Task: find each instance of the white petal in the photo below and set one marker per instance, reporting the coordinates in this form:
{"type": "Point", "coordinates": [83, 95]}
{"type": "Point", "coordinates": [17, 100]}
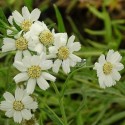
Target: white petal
{"type": "Point", "coordinates": [35, 60]}
{"type": "Point", "coordinates": [70, 40]}
{"type": "Point", "coordinates": [10, 113]}
{"type": "Point", "coordinates": [25, 12]}
{"type": "Point", "coordinates": [53, 49]}
{"type": "Point", "coordinates": [66, 66]}
{"type": "Point", "coordinates": [17, 17]}
{"type": "Point", "coordinates": [47, 64]}
{"type": "Point", "coordinates": [39, 48]}
{"type": "Point", "coordinates": [31, 86]}
{"type": "Point", "coordinates": [119, 66]}
{"type": "Point", "coordinates": [17, 116]}
{"type": "Point", "coordinates": [116, 57]}
{"type": "Point", "coordinates": [48, 76]}
{"type": "Point", "coordinates": [75, 47]}
{"type": "Point", "coordinates": [116, 75]}
{"type": "Point", "coordinates": [35, 14]}
{"type": "Point", "coordinates": [18, 56]}
{"type": "Point", "coordinates": [6, 105]}
{"type": "Point", "coordinates": [42, 83]}
{"type": "Point", "coordinates": [51, 56]}
{"type": "Point", "coordinates": [57, 65]}
{"type": "Point", "coordinates": [101, 82]}
{"type": "Point", "coordinates": [7, 48]}
{"type": "Point", "coordinates": [27, 100]}
{"type": "Point", "coordinates": [26, 53]}
{"type": "Point", "coordinates": [9, 45]}
{"type": "Point", "coordinates": [8, 40]}
{"type": "Point", "coordinates": [27, 61]}
{"type": "Point", "coordinates": [108, 81]}
{"type": "Point", "coordinates": [21, 77]}
{"type": "Point", "coordinates": [101, 59]}
{"type": "Point", "coordinates": [26, 114]}
{"type": "Point", "coordinates": [10, 19]}
{"type": "Point", "coordinates": [75, 58]}
{"type": "Point", "coordinates": [33, 105]}
{"type": "Point", "coordinates": [20, 66]}
{"type": "Point", "coordinates": [109, 54]}
{"type": "Point", "coordinates": [19, 93]}
{"type": "Point", "coordinates": [60, 39]}
{"type": "Point", "coordinates": [8, 96]}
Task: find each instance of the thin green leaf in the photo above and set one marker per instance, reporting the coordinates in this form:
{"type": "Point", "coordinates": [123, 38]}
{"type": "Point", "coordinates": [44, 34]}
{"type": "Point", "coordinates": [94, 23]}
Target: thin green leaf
{"type": "Point", "coordinates": [96, 12]}
{"type": "Point", "coordinates": [52, 115]}
{"type": "Point", "coordinates": [61, 26]}
{"type": "Point", "coordinates": [16, 26]}
{"type": "Point", "coordinates": [2, 16]}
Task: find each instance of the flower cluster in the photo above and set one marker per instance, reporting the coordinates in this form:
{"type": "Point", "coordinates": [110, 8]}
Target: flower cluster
{"type": "Point", "coordinates": [37, 51]}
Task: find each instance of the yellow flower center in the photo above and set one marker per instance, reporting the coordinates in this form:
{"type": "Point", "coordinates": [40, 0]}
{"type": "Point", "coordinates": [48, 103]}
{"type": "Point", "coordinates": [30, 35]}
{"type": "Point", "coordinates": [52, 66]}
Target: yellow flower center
{"type": "Point", "coordinates": [21, 43]}
{"type": "Point", "coordinates": [63, 52]}
{"type": "Point", "coordinates": [46, 38]}
{"type": "Point", "coordinates": [18, 105]}
{"type": "Point", "coordinates": [107, 68]}
{"type": "Point", "coordinates": [25, 25]}
{"type": "Point", "coordinates": [34, 71]}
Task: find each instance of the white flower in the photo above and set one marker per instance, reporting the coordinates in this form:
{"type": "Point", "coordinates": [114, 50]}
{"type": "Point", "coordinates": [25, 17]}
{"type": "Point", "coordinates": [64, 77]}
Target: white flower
{"type": "Point", "coordinates": [21, 44]}
{"type": "Point", "coordinates": [107, 69]}
{"type": "Point", "coordinates": [41, 35]}
{"type": "Point", "coordinates": [19, 106]}
{"type": "Point", "coordinates": [26, 20]}
{"type": "Point", "coordinates": [33, 70]}
{"type": "Point", "coordinates": [62, 51]}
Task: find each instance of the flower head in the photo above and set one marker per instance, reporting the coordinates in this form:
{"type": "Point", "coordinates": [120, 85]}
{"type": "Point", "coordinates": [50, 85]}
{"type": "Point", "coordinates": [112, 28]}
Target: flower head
{"type": "Point", "coordinates": [108, 67]}
{"type": "Point", "coordinates": [26, 20]}
{"type": "Point", "coordinates": [33, 70]}
{"type": "Point", "coordinates": [63, 50]}
{"type": "Point", "coordinates": [41, 35]}
{"type": "Point", "coordinates": [19, 106]}
{"type": "Point", "coordinates": [20, 44]}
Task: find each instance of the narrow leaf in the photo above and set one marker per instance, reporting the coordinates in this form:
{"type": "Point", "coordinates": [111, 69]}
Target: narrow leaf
{"type": "Point", "coordinates": [52, 115]}
{"type": "Point", "coordinates": [61, 26]}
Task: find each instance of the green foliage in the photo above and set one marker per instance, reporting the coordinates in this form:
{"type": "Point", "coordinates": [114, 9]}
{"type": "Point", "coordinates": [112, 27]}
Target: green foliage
{"type": "Point", "coordinates": [84, 102]}
{"type": "Point", "coordinates": [61, 27]}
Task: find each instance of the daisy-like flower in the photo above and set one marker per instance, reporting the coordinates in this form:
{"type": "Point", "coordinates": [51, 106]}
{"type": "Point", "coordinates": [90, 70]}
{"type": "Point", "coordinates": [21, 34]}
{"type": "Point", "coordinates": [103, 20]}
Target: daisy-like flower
{"type": "Point", "coordinates": [20, 44]}
{"type": "Point", "coordinates": [41, 35]}
{"type": "Point", "coordinates": [63, 50]}
{"type": "Point", "coordinates": [33, 70]}
{"type": "Point", "coordinates": [19, 106]}
{"type": "Point", "coordinates": [26, 20]}
{"type": "Point", "coordinates": [107, 68]}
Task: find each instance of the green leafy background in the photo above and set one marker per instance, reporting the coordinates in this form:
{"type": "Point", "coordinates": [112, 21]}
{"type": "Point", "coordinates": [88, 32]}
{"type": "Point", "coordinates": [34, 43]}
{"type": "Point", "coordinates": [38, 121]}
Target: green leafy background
{"type": "Point", "coordinates": [85, 103]}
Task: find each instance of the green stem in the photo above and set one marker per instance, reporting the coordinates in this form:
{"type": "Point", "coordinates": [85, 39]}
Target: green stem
{"type": "Point", "coordinates": [63, 111]}
{"type": "Point", "coordinates": [60, 104]}
{"type": "Point", "coordinates": [69, 76]}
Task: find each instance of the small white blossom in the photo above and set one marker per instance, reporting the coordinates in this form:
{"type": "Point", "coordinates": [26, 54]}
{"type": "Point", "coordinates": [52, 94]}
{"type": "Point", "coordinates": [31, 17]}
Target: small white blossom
{"type": "Point", "coordinates": [107, 68]}
{"type": "Point", "coordinates": [63, 50]}
{"type": "Point", "coordinates": [33, 70]}
{"type": "Point", "coordinates": [19, 106]}
{"type": "Point", "coordinates": [20, 44]}
{"type": "Point", "coordinates": [41, 35]}
{"type": "Point", "coordinates": [25, 20]}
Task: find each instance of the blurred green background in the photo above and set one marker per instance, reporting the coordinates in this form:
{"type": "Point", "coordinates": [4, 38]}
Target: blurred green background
{"type": "Point", "coordinates": [99, 25]}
